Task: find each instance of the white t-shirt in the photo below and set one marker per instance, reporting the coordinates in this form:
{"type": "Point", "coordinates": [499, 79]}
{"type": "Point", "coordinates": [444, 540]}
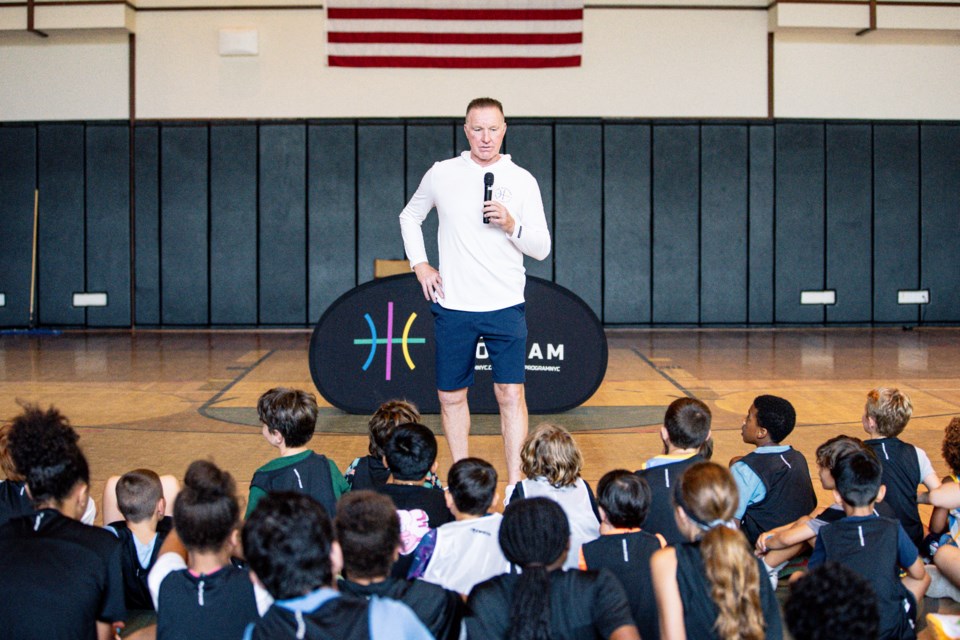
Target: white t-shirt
{"type": "Point", "coordinates": [467, 552]}
{"type": "Point", "coordinates": [575, 500]}
{"type": "Point", "coordinates": [480, 265]}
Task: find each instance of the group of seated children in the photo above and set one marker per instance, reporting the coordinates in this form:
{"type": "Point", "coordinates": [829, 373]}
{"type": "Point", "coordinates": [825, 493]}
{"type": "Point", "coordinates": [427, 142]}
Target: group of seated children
{"type": "Point", "coordinates": [683, 547]}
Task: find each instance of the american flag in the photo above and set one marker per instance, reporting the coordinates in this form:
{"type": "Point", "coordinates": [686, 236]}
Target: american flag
{"type": "Point", "coordinates": [455, 34]}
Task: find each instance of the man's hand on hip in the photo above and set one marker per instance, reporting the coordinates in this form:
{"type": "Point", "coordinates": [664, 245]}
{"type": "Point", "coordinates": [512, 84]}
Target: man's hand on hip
{"type": "Point", "coordinates": [430, 281]}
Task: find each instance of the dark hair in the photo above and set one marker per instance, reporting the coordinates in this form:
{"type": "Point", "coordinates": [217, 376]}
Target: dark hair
{"type": "Point", "coordinates": [534, 534]}
{"type": "Point", "coordinates": [837, 447]}
{"type": "Point", "coordinates": [385, 418]}
{"type": "Point", "coordinates": [287, 541]}
{"type": "Point", "coordinates": [472, 483]}
{"type": "Point", "coordinates": [776, 415]}
{"type": "Point", "coordinates": [291, 412]}
{"type": "Point", "coordinates": [831, 602]}
{"type": "Point", "coordinates": [484, 103]}
{"type": "Point", "coordinates": [687, 422]}
{"type": "Point", "coordinates": [44, 450]}
{"type": "Point", "coordinates": [368, 530]}
{"type": "Point", "coordinates": [411, 451]}
{"type": "Point", "coordinates": [951, 445]}
{"type": "Point", "coordinates": [625, 498]}
{"type": "Point", "coordinates": [858, 477]}
{"type": "Point", "coordinates": [206, 510]}
{"type": "Point", "coordinates": [138, 493]}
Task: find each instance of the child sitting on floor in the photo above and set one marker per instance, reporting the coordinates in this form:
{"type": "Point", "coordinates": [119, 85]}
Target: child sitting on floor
{"type": "Point", "coordinates": [623, 548]}
{"type": "Point", "coordinates": [877, 548]}
{"type": "Point", "coordinates": [685, 432]}
{"type": "Point", "coordinates": [779, 545]}
{"type": "Point", "coordinates": [773, 481]}
{"type": "Point", "coordinates": [552, 462]}
{"type": "Point", "coordinates": [197, 590]}
{"type": "Point", "coordinates": [289, 418]}
{"type": "Point", "coordinates": [460, 554]}
{"type": "Point", "coordinates": [905, 466]}
{"type": "Point", "coordinates": [411, 455]}
{"type": "Point", "coordinates": [144, 527]}
{"type": "Point", "coordinates": [370, 471]}
{"type": "Point", "coordinates": [711, 586]}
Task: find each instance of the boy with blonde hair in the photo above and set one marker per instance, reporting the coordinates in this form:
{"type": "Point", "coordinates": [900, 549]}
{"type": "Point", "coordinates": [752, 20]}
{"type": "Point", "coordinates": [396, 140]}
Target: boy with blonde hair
{"type": "Point", "coordinates": [905, 466]}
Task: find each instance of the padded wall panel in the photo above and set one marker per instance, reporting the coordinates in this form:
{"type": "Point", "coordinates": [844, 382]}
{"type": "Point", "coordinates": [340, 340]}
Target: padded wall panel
{"type": "Point", "coordinates": [233, 224]}
{"type": "Point", "coordinates": [108, 223]}
{"type": "Point", "coordinates": [283, 224]}
{"type": "Point", "coordinates": [940, 220]}
{"type": "Point", "coordinates": [18, 178]}
{"type": "Point", "coordinates": [380, 189]}
{"type": "Point", "coordinates": [799, 233]}
{"type": "Point", "coordinates": [61, 230]}
{"type": "Point", "coordinates": [184, 242]}
{"type": "Point", "coordinates": [425, 145]}
{"type": "Point", "coordinates": [146, 181]}
{"type": "Point", "coordinates": [723, 211]}
{"type": "Point", "coordinates": [627, 224]}
{"type": "Point", "coordinates": [676, 224]}
{"type": "Point", "coordinates": [531, 147]}
{"type": "Point", "coordinates": [578, 230]}
{"type": "Point", "coordinates": [332, 224]}
{"type": "Point", "coordinates": [896, 220]}
{"type": "Point", "coordinates": [760, 222]}
{"type": "Point", "coordinates": [849, 221]}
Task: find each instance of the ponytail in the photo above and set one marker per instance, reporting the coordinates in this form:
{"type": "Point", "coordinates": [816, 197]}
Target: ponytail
{"type": "Point", "coordinates": [534, 534]}
{"type": "Point", "coordinates": [734, 584]}
{"type": "Point", "coordinates": [707, 494]}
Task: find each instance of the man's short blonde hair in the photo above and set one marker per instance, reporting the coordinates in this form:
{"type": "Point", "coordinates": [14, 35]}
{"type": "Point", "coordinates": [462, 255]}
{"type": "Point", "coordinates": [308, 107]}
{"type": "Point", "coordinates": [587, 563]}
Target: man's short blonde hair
{"type": "Point", "coordinates": [483, 103]}
{"type": "Point", "coordinates": [891, 409]}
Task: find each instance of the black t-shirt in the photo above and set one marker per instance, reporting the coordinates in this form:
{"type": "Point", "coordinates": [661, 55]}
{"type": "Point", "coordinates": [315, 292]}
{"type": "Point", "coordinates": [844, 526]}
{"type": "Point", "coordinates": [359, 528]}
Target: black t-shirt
{"type": "Point", "coordinates": [218, 605]}
{"type": "Point", "coordinates": [439, 609]}
{"type": "Point", "coordinates": [584, 605]}
{"type": "Point", "coordinates": [14, 501]}
{"type": "Point", "coordinates": [627, 556]}
{"type": "Point", "coordinates": [58, 577]}
{"type": "Point", "coordinates": [370, 473]}
{"type": "Point", "coordinates": [412, 498]}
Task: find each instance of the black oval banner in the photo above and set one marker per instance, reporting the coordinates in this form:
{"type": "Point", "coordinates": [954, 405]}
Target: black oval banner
{"type": "Point", "coordinates": [376, 342]}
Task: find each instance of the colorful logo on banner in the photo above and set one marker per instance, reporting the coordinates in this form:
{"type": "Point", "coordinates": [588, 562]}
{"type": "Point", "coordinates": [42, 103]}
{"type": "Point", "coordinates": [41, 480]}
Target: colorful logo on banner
{"type": "Point", "coordinates": [404, 341]}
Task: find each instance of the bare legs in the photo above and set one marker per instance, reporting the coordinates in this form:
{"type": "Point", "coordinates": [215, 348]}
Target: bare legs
{"type": "Point", "coordinates": [455, 418]}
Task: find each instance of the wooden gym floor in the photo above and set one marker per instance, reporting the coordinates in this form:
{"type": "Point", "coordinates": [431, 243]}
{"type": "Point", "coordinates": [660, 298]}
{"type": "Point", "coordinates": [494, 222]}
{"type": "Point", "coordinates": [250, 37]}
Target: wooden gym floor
{"type": "Point", "coordinates": [161, 399]}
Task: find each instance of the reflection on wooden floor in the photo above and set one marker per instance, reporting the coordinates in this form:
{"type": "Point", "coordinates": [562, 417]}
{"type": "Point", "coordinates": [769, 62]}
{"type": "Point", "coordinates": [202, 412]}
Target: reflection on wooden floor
{"type": "Point", "coordinates": [162, 399]}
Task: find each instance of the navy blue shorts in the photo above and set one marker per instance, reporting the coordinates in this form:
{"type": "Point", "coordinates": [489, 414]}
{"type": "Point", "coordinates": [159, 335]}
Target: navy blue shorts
{"type": "Point", "coordinates": [504, 334]}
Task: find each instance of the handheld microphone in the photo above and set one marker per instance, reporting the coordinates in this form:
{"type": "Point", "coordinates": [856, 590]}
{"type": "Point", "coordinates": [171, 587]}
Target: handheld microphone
{"type": "Point", "coordinates": [487, 191]}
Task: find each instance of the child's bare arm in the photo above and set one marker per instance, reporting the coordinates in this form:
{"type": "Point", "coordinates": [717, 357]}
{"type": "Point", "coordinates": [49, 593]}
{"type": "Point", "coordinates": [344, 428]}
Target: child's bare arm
{"type": "Point", "coordinates": [931, 481]}
{"type": "Point", "coordinates": [945, 495]}
{"type": "Point", "coordinates": [938, 519]}
{"type": "Point", "coordinates": [786, 536]}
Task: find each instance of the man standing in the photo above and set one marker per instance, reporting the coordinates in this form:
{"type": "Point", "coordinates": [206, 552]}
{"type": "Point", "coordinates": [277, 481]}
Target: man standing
{"type": "Point", "coordinates": [478, 291]}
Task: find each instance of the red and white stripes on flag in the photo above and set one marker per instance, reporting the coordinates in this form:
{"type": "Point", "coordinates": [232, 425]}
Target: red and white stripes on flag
{"type": "Point", "coordinates": [455, 34]}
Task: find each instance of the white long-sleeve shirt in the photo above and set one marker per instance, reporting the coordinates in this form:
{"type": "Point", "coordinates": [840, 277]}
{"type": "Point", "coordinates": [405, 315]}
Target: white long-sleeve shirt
{"type": "Point", "coordinates": [480, 265]}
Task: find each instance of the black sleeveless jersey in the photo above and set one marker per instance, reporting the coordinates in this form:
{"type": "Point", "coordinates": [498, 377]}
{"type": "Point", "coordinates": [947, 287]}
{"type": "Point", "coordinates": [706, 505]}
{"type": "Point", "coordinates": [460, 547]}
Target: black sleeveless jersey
{"type": "Point", "coordinates": [790, 494]}
{"type": "Point", "coordinates": [662, 479]}
{"type": "Point", "coordinates": [135, 590]}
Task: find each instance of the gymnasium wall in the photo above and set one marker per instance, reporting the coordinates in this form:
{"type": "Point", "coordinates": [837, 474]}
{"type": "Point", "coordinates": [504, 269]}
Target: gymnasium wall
{"type": "Point", "coordinates": [654, 222]}
{"type": "Point", "coordinates": [706, 163]}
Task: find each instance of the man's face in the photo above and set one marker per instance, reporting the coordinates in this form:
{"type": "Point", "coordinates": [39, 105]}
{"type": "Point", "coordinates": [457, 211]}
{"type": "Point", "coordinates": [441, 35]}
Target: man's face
{"type": "Point", "coordinates": [750, 427]}
{"type": "Point", "coordinates": [485, 128]}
